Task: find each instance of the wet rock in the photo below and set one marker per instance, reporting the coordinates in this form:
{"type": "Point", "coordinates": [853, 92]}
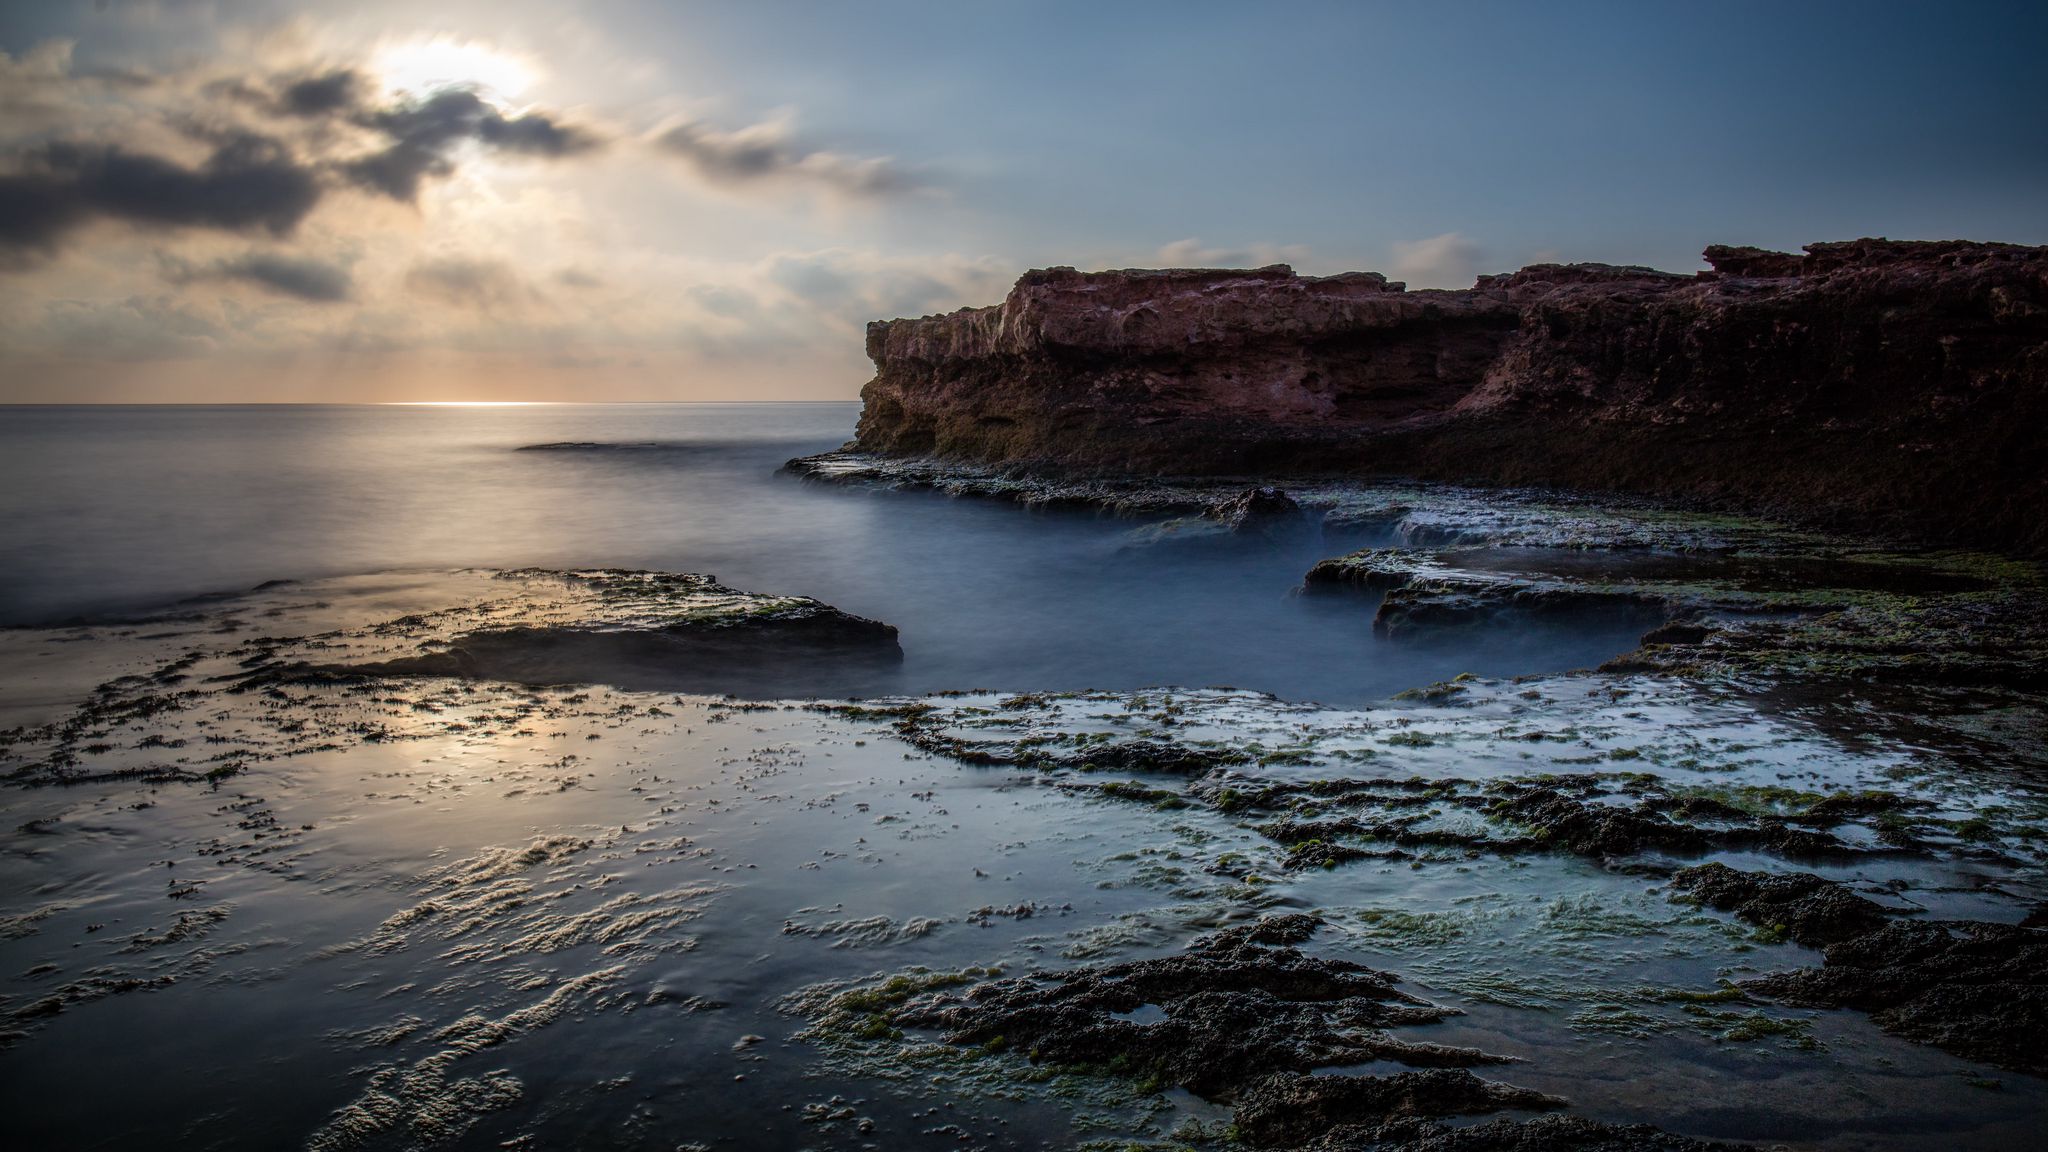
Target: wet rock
{"type": "Point", "coordinates": [1678, 632]}
{"type": "Point", "coordinates": [1572, 813]}
{"type": "Point", "coordinates": [1809, 909]}
{"type": "Point", "coordinates": [1440, 590]}
{"type": "Point", "coordinates": [1258, 510]}
{"type": "Point", "coordinates": [1153, 756]}
{"type": "Point", "coordinates": [1975, 989]}
{"type": "Point", "coordinates": [1288, 1110]}
{"type": "Point", "coordinates": [1594, 829]}
{"type": "Point", "coordinates": [1542, 1134]}
{"type": "Point", "coordinates": [1321, 843]}
{"type": "Point", "coordinates": [675, 630]}
{"type": "Point", "coordinates": [1236, 1005]}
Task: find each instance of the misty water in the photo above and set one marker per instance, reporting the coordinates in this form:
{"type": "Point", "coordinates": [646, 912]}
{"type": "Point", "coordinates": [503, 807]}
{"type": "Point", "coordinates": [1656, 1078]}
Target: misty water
{"type": "Point", "coordinates": [426, 912]}
{"type": "Point", "coordinates": [115, 510]}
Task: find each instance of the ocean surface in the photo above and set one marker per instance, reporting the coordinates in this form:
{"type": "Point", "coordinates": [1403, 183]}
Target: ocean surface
{"type": "Point", "coordinates": [119, 510]}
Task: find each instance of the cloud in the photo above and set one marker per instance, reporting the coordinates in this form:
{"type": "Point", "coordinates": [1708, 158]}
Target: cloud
{"type": "Point", "coordinates": [137, 328]}
{"type": "Point", "coordinates": [860, 286]}
{"type": "Point", "coordinates": [295, 276]}
{"type": "Point", "coordinates": [424, 131]}
{"type": "Point", "coordinates": [1447, 261]}
{"type": "Point", "coordinates": [249, 183]}
{"type": "Point", "coordinates": [483, 285]}
{"type": "Point", "coordinates": [323, 95]}
{"type": "Point", "coordinates": [79, 148]}
{"type": "Point", "coordinates": [1190, 253]}
{"type": "Point", "coordinates": [765, 153]}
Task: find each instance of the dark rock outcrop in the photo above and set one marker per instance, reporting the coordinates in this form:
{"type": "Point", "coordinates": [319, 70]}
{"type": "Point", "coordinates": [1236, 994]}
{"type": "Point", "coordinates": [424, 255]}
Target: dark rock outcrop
{"type": "Point", "coordinates": [1244, 1016]}
{"type": "Point", "coordinates": [1810, 909]}
{"type": "Point", "coordinates": [1288, 1110]}
{"type": "Point", "coordinates": [1976, 989]}
{"type": "Point", "coordinates": [1543, 1134]}
{"type": "Point", "coordinates": [1258, 510]}
{"type": "Point", "coordinates": [673, 630]}
{"type": "Point", "coordinates": [1239, 1004]}
{"type": "Point", "coordinates": [1873, 384]}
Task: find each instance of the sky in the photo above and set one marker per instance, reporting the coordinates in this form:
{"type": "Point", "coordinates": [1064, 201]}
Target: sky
{"type": "Point", "coordinates": [244, 200]}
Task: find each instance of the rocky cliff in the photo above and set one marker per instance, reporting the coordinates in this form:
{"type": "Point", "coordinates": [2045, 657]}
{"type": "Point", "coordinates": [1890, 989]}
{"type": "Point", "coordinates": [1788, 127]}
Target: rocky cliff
{"type": "Point", "coordinates": [1874, 384]}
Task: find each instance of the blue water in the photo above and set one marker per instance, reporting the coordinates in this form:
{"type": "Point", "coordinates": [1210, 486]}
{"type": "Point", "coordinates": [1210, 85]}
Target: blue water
{"type": "Point", "coordinates": [110, 510]}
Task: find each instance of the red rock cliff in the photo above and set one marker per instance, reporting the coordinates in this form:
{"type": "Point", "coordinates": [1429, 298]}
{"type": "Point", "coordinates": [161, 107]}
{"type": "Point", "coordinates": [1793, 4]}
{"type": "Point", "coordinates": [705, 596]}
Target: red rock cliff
{"type": "Point", "coordinates": [1873, 384]}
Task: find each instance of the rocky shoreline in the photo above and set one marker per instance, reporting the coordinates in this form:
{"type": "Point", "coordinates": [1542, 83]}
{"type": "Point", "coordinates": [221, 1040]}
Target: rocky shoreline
{"type": "Point", "coordinates": [1795, 837]}
{"type": "Point", "coordinates": [1871, 385]}
{"type": "Point", "coordinates": [1723, 602]}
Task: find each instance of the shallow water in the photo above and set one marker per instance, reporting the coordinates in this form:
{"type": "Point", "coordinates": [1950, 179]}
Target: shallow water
{"type": "Point", "coordinates": [435, 913]}
{"type": "Point", "coordinates": [114, 510]}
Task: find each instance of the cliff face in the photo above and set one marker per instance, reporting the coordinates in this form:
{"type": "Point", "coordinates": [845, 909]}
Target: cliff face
{"type": "Point", "coordinates": [1880, 385]}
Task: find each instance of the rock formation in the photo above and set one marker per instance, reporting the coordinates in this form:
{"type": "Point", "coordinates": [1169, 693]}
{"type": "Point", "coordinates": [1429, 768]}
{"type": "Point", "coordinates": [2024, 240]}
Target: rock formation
{"type": "Point", "coordinates": [1878, 385]}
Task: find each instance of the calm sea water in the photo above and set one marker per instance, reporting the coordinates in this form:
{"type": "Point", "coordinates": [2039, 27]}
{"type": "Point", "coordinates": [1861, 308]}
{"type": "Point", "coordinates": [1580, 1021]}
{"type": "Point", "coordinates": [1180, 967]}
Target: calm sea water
{"type": "Point", "coordinates": [119, 509]}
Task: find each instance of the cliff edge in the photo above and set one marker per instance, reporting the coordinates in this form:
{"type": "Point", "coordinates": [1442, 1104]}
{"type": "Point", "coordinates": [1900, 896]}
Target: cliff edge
{"type": "Point", "coordinates": [1875, 385]}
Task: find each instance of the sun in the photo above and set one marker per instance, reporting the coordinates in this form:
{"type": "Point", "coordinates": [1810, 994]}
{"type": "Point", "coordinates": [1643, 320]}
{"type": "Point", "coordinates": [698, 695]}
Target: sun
{"type": "Point", "coordinates": [419, 66]}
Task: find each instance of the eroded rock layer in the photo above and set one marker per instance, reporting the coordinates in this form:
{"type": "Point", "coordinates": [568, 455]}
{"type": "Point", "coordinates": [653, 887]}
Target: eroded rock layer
{"type": "Point", "coordinates": [1873, 384]}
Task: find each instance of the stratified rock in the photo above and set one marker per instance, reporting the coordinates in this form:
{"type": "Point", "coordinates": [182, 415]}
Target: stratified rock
{"type": "Point", "coordinates": [1759, 263]}
{"type": "Point", "coordinates": [1425, 591]}
{"type": "Point", "coordinates": [1873, 384]}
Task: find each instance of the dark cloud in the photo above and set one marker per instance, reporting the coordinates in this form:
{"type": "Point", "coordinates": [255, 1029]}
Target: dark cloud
{"type": "Point", "coordinates": [250, 183]}
{"type": "Point", "coordinates": [323, 95]}
{"type": "Point", "coordinates": [296, 276]}
{"type": "Point", "coordinates": [423, 132]}
{"type": "Point", "coordinates": [466, 283]}
{"type": "Point", "coordinates": [763, 152]}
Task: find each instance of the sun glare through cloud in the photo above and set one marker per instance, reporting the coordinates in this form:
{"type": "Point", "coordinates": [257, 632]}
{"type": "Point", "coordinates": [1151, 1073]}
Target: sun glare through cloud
{"type": "Point", "coordinates": [418, 66]}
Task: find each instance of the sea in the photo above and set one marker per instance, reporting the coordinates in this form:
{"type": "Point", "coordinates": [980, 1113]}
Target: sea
{"type": "Point", "coordinates": [113, 510]}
